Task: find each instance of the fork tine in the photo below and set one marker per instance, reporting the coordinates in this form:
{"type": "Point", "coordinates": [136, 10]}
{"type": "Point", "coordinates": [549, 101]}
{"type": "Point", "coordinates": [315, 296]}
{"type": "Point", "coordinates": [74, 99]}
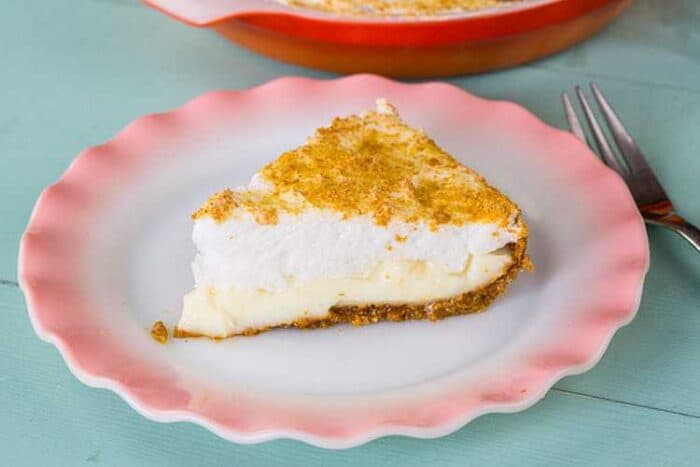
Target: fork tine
{"type": "Point", "coordinates": [600, 139]}
{"type": "Point", "coordinates": [642, 181]}
{"type": "Point", "coordinates": [571, 117]}
{"type": "Point", "coordinates": [628, 148]}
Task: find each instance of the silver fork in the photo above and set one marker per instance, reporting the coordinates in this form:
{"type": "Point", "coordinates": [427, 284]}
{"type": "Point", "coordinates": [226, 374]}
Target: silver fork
{"type": "Point", "coordinates": [651, 199]}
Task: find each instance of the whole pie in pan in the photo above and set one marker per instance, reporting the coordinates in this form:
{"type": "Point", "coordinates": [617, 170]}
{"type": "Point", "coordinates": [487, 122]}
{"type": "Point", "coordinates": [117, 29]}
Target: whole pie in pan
{"type": "Point", "coordinates": [396, 7]}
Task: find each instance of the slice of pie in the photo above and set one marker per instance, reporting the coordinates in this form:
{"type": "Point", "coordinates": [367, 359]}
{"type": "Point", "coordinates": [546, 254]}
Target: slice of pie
{"type": "Point", "coordinates": [368, 221]}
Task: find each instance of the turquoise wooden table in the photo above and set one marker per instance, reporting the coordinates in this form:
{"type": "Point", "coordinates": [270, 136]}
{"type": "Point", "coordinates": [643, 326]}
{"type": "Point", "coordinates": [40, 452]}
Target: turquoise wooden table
{"type": "Point", "coordinates": [75, 72]}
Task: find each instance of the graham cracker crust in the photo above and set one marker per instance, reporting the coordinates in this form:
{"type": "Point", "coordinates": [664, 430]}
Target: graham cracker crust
{"type": "Point", "coordinates": [468, 303]}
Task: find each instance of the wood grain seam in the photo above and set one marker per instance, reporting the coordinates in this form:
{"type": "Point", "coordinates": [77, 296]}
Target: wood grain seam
{"type": "Point", "coordinates": [629, 404]}
{"type": "Point", "coordinates": [610, 77]}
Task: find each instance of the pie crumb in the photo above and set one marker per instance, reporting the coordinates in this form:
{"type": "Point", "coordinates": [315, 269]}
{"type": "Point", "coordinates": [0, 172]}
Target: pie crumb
{"type": "Point", "coordinates": [159, 332]}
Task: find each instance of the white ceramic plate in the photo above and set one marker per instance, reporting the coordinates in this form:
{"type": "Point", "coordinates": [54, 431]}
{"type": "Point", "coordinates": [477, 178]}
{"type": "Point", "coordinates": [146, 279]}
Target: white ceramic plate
{"type": "Point", "coordinates": [107, 252]}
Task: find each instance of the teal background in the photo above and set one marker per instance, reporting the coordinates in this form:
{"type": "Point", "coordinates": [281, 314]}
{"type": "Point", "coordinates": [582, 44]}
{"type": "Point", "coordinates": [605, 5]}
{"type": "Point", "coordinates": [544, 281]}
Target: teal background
{"type": "Point", "coordinates": [72, 73]}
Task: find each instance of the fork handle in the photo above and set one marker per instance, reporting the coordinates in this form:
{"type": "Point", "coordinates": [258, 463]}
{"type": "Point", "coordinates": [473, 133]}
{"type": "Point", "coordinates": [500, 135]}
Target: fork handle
{"type": "Point", "coordinates": [679, 225]}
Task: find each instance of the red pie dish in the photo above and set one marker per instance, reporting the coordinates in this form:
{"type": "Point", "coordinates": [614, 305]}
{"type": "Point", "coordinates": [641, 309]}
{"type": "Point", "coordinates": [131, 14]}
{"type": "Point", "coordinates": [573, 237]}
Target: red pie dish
{"type": "Point", "coordinates": [108, 249]}
{"type": "Point", "coordinates": [414, 46]}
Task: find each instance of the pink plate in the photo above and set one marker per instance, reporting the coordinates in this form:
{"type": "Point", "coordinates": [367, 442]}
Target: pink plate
{"type": "Point", "coordinates": [108, 248]}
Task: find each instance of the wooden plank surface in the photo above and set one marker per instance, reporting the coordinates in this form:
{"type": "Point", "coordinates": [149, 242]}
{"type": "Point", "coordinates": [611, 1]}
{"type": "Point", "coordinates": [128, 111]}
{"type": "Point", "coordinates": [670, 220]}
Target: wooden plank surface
{"type": "Point", "coordinates": [75, 72]}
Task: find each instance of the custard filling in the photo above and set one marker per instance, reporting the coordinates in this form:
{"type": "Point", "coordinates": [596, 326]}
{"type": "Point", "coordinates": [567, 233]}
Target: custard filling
{"type": "Point", "coordinates": [222, 313]}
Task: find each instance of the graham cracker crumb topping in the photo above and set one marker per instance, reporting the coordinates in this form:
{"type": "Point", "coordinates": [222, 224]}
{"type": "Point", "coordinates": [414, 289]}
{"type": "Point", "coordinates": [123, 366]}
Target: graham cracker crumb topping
{"type": "Point", "coordinates": [375, 165]}
{"type": "Point", "coordinates": [218, 207]}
